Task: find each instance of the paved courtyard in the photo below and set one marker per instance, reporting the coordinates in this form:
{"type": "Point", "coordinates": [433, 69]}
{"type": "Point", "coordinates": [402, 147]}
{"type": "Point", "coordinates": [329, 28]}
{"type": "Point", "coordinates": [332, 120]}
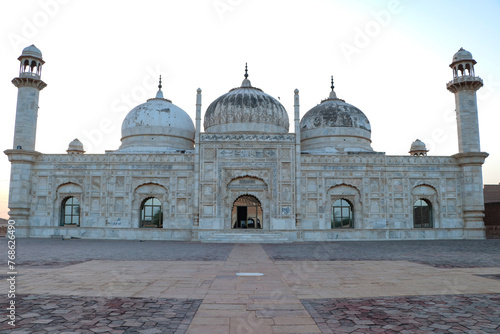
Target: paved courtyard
{"type": "Point", "coordinates": [109, 286]}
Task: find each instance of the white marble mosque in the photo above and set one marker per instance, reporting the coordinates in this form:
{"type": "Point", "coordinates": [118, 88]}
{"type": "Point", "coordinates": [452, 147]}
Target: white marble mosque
{"type": "Point", "coordinates": [246, 177]}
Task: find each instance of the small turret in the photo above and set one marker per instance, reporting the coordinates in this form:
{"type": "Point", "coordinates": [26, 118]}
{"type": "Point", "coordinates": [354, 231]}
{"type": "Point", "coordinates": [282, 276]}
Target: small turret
{"type": "Point", "coordinates": [418, 148]}
{"type": "Point", "coordinates": [75, 147]}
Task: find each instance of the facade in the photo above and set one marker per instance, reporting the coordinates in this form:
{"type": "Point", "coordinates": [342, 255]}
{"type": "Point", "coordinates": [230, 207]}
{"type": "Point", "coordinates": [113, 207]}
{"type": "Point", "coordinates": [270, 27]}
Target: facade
{"type": "Point", "coordinates": [247, 178]}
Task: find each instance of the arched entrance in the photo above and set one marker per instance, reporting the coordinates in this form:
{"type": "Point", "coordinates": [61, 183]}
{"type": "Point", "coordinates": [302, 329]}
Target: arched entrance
{"type": "Point", "coordinates": [246, 213]}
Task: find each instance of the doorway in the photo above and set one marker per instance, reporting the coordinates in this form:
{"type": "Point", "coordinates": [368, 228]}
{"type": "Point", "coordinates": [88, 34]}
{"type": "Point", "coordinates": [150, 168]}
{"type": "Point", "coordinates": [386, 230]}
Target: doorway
{"type": "Point", "coordinates": [247, 213]}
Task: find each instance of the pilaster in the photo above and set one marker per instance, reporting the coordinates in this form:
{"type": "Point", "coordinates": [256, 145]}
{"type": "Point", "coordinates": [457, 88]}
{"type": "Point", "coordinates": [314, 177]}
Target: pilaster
{"type": "Point", "coordinates": [196, 199]}
{"type": "Point", "coordinates": [20, 189]}
{"type": "Point", "coordinates": [472, 193]}
{"type": "Point", "coordinates": [298, 168]}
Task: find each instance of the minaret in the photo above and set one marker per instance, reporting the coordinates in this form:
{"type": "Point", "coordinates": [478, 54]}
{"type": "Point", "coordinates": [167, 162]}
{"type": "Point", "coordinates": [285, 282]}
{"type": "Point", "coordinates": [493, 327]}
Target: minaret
{"type": "Point", "coordinates": [29, 86]}
{"type": "Point", "coordinates": [464, 85]}
{"type": "Point", "coordinates": [23, 154]}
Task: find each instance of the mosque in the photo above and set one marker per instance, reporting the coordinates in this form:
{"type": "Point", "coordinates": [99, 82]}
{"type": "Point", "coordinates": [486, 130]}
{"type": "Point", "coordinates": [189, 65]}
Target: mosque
{"type": "Point", "coordinates": [246, 177]}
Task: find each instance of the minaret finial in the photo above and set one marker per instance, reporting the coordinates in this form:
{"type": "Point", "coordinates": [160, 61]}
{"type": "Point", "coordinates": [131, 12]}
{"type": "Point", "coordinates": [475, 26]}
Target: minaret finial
{"type": "Point", "coordinates": [246, 82]}
{"type": "Point", "coordinates": [159, 94]}
{"type": "Point", "coordinates": [332, 93]}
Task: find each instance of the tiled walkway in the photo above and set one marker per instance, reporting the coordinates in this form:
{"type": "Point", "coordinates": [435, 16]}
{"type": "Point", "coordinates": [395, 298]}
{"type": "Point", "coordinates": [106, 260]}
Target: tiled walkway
{"type": "Point", "coordinates": [255, 304]}
{"type": "Point", "coordinates": [305, 288]}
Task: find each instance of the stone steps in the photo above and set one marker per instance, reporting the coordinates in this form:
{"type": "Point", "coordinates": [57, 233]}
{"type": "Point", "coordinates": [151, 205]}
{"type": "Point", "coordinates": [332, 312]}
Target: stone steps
{"type": "Point", "coordinates": [246, 237]}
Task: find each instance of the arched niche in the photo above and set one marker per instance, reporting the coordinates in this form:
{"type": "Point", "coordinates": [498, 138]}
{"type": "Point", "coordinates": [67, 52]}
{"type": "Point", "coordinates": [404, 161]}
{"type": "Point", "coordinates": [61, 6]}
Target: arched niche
{"type": "Point", "coordinates": [63, 192]}
{"type": "Point", "coordinates": [347, 193]}
{"type": "Point", "coordinates": [142, 193]}
{"type": "Point", "coordinates": [247, 186]}
{"type": "Point", "coordinates": [428, 194]}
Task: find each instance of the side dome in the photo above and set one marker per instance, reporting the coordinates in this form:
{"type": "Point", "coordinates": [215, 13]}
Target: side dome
{"type": "Point", "coordinates": [157, 125]}
{"type": "Point", "coordinates": [334, 126]}
{"type": "Point", "coordinates": [246, 109]}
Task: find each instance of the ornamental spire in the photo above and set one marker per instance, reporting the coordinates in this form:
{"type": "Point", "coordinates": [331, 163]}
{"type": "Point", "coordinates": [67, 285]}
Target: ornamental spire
{"type": "Point", "coordinates": [246, 82]}
{"type": "Point", "coordinates": [332, 93]}
{"type": "Point", "coordinates": [159, 95]}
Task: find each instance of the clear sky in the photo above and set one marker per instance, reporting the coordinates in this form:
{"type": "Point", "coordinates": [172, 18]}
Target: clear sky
{"type": "Point", "coordinates": [389, 58]}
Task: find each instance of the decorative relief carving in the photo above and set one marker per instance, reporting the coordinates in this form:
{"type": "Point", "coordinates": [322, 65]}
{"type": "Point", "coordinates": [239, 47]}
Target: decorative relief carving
{"type": "Point", "coordinates": [209, 153]}
{"type": "Point", "coordinates": [247, 183]}
{"type": "Point", "coordinates": [247, 137]}
{"type": "Point", "coordinates": [181, 183]}
{"type": "Point", "coordinates": [181, 205]}
{"type": "Point", "coordinates": [266, 153]}
{"type": "Point", "coordinates": [227, 171]}
{"type": "Point", "coordinates": [69, 167]}
{"type": "Point", "coordinates": [405, 161]}
{"type": "Point", "coordinates": [120, 158]}
{"type": "Point", "coordinates": [285, 211]}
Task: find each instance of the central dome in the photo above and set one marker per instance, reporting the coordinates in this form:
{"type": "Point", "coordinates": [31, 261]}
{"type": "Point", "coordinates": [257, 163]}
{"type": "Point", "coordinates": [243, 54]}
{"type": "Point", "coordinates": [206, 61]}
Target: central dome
{"type": "Point", "coordinates": [246, 109]}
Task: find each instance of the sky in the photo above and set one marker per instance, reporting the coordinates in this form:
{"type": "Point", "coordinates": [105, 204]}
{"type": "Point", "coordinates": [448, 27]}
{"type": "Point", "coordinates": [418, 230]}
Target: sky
{"type": "Point", "coordinates": [388, 58]}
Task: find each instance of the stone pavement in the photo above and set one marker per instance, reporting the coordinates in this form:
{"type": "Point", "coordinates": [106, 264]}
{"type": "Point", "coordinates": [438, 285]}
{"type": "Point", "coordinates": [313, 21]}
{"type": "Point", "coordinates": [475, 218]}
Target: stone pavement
{"type": "Point", "coordinates": [256, 304]}
{"type": "Point", "coordinates": [344, 287]}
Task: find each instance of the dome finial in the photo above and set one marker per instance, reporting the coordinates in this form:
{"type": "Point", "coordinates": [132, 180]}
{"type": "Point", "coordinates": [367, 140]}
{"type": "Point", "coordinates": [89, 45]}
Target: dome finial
{"type": "Point", "coordinates": [246, 82]}
{"type": "Point", "coordinates": [332, 93]}
{"type": "Point", "coordinates": [159, 95]}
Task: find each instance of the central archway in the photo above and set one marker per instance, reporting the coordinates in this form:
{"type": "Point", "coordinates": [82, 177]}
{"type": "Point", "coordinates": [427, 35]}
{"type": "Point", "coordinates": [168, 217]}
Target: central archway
{"type": "Point", "coordinates": [246, 213]}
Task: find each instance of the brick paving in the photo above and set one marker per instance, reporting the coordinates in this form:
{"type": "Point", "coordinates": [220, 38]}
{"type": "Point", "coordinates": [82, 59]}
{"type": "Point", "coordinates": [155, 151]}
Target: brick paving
{"type": "Point", "coordinates": [416, 314]}
{"type": "Point", "coordinates": [437, 253]}
{"type": "Point", "coordinates": [149, 287]}
{"type": "Point", "coordinates": [57, 252]}
{"type": "Point", "coordinates": [71, 314]}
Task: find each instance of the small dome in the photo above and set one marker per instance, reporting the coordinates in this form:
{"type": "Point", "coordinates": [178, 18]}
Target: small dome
{"type": "Point", "coordinates": [246, 109]}
{"type": "Point", "coordinates": [75, 147]}
{"type": "Point", "coordinates": [462, 55]}
{"type": "Point", "coordinates": [418, 145]}
{"type": "Point", "coordinates": [418, 148]}
{"type": "Point", "coordinates": [32, 51]}
{"type": "Point", "coordinates": [335, 126]}
{"type": "Point", "coordinates": [157, 125]}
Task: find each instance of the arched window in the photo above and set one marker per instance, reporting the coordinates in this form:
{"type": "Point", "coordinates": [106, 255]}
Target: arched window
{"type": "Point", "coordinates": [342, 214]}
{"type": "Point", "coordinates": [70, 211]}
{"type": "Point", "coordinates": [151, 213]}
{"type": "Point", "coordinates": [422, 214]}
